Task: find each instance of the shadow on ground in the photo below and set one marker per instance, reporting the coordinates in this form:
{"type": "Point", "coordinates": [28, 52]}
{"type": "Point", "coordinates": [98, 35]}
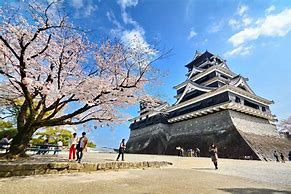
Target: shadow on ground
{"type": "Point", "coordinates": [254, 191]}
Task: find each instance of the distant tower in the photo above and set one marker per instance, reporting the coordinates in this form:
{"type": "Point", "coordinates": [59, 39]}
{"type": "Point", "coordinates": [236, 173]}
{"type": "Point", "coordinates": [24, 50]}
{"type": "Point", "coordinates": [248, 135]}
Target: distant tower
{"type": "Point", "coordinates": [214, 105]}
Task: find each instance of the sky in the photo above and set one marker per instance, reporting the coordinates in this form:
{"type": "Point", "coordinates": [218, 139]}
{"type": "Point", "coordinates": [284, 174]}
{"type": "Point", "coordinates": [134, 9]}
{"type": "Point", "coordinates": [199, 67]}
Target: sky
{"type": "Point", "coordinates": [253, 36]}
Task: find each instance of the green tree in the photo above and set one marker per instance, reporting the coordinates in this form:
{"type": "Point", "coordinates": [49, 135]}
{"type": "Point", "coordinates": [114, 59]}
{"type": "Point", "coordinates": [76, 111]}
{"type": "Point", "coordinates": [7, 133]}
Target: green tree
{"type": "Point", "coordinates": [54, 134]}
{"type": "Point", "coordinates": [7, 128]}
{"type": "Point", "coordinates": [91, 144]}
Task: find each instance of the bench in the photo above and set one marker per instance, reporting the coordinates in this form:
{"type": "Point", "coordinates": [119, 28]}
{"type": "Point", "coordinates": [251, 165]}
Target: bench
{"type": "Point", "coordinates": [4, 147]}
{"type": "Point", "coordinates": [44, 149]}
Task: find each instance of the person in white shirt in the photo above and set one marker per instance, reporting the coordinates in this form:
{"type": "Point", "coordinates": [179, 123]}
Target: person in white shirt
{"type": "Point", "coordinates": [59, 147]}
{"type": "Point", "coordinates": [73, 144]}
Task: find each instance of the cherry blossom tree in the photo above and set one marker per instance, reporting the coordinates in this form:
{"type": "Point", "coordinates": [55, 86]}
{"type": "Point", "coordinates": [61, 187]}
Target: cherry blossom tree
{"type": "Point", "coordinates": [285, 126]}
{"type": "Point", "coordinates": [61, 77]}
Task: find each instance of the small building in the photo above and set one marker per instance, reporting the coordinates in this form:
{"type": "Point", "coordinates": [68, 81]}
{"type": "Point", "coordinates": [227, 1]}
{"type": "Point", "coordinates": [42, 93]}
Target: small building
{"type": "Point", "coordinates": [213, 105]}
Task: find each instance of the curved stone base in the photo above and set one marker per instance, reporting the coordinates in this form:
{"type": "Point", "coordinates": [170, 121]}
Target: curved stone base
{"type": "Point", "coordinates": [229, 130]}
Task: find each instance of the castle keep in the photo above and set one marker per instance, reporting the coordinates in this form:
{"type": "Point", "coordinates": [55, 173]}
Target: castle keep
{"type": "Point", "coordinates": [214, 105]}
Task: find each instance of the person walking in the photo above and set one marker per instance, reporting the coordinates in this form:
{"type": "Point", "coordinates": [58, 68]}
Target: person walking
{"type": "Point", "coordinates": [197, 150]}
{"type": "Point", "coordinates": [121, 150]}
{"type": "Point", "coordinates": [275, 154]}
{"type": "Point", "coordinates": [73, 144]}
{"type": "Point", "coordinates": [83, 141]}
{"type": "Point", "coordinates": [282, 157]}
{"type": "Point", "coordinates": [214, 156]}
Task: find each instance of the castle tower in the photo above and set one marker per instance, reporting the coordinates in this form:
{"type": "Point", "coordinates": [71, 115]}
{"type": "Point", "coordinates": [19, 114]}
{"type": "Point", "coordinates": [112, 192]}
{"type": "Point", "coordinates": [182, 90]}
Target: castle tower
{"type": "Point", "coordinates": [213, 105]}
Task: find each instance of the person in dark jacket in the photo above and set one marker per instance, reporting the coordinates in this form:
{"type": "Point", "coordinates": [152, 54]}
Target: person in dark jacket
{"type": "Point", "coordinates": [121, 150]}
{"type": "Point", "coordinates": [275, 154]}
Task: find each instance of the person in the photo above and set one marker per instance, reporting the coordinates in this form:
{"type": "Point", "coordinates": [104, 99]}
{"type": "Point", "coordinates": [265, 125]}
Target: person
{"type": "Point", "coordinates": [43, 148]}
{"type": "Point", "coordinates": [59, 147]}
{"type": "Point", "coordinates": [213, 154]}
{"type": "Point", "coordinates": [121, 150]}
{"type": "Point", "coordinates": [73, 143]}
{"type": "Point", "coordinates": [276, 156]}
{"type": "Point", "coordinates": [5, 142]}
{"type": "Point", "coordinates": [81, 146]}
{"type": "Point", "coordinates": [197, 150]}
{"type": "Point", "coordinates": [282, 157]}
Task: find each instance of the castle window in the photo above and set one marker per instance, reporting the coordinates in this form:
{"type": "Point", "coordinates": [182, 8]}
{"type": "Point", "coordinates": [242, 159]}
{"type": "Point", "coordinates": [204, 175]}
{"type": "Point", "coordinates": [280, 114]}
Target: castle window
{"type": "Point", "coordinates": [223, 76]}
{"type": "Point", "coordinates": [263, 109]}
{"type": "Point", "coordinates": [237, 99]}
{"type": "Point", "coordinates": [250, 104]}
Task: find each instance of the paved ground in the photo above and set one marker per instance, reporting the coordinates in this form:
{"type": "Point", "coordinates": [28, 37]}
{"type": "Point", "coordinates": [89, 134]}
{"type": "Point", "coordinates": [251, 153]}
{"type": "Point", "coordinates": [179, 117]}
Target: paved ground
{"type": "Point", "coordinates": [187, 175]}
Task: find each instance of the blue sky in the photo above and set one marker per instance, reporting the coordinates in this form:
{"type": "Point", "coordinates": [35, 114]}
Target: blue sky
{"type": "Point", "coordinates": [253, 36]}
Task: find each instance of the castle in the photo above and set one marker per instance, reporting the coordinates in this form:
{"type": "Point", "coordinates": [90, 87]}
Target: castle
{"type": "Point", "coordinates": [213, 105]}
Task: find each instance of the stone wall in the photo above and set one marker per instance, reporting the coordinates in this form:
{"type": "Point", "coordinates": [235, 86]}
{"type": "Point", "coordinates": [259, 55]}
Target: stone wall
{"type": "Point", "coordinates": [151, 139]}
{"type": "Point", "coordinates": [229, 130]}
{"type": "Point", "coordinates": [262, 136]}
{"type": "Point", "coordinates": [27, 169]}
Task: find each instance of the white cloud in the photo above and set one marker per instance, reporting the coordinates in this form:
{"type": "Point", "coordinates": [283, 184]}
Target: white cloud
{"type": "Point", "coordinates": [247, 21]}
{"type": "Point", "coordinates": [84, 8]}
{"type": "Point", "coordinates": [136, 41]}
{"type": "Point", "coordinates": [192, 34]}
{"type": "Point", "coordinates": [127, 3]}
{"type": "Point", "coordinates": [241, 50]}
{"type": "Point", "coordinates": [125, 17]}
{"type": "Point", "coordinates": [271, 25]}
{"type": "Point", "coordinates": [77, 4]}
{"type": "Point", "coordinates": [270, 9]}
{"type": "Point", "coordinates": [242, 9]}
{"type": "Point", "coordinates": [241, 22]}
{"type": "Point", "coordinates": [234, 24]}
{"type": "Point", "coordinates": [129, 35]}
{"type": "Point", "coordinates": [90, 8]}
{"type": "Point", "coordinates": [216, 27]}
{"type": "Point", "coordinates": [111, 17]}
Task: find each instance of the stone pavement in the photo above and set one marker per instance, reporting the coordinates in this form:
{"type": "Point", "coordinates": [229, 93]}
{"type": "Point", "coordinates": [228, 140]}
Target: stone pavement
{"type": "Point", "coordinates": [187, 175]}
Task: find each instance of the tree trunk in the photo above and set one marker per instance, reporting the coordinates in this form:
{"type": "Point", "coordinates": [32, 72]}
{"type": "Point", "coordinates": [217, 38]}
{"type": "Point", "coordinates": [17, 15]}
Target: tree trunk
{"type": "Point", "coordinates": [20, 143]}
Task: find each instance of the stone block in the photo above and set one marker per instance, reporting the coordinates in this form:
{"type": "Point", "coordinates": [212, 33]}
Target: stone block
{"type": "Point", "coordinates": [52, 171]}
{"type": "Point", "coordinates": [22, 173]}
{"type": "Point", "coordinates": [7, 167]}
{"type": "Point", "coordinates": [58, 165]}
{"type": "Point", "coordinates": [40, 171]}
{"type": "Point", "coordinates": [119, 165]}
{"type": "Point", "coordinates": [72, 171]}
{"type": "Point", "coordinates": [89, 166]}
{"type": "Point", "coordinates": [5, 173]}
{"type": "Point", "coordinates": [75, 166]}
{"type": "Point", "coordinates": [63, 171]}
{"type": "Point", "coordinates": [101, 166]}
{"type": "Point", "coordinates": [125, 165]}
{"type": "Point", "coordinates": [145, 164]}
